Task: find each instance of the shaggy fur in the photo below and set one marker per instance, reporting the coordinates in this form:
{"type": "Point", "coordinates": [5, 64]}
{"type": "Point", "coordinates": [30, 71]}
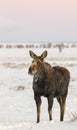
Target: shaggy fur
{"type": "Point", "coordinates": [49, 82]}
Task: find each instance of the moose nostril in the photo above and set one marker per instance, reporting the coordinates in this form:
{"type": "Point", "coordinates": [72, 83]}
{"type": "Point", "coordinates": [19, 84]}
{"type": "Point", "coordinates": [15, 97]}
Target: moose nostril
{"type": "Point", "coordinates": [29, 70]}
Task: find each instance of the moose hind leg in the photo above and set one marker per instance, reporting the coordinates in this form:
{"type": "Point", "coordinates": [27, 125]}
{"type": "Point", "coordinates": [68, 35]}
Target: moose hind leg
{"type": "Point", "coordinates": [62, 102]}
{"type": "Point", "coordinates": [38, 105]}
{"type": "Point", "coordinates": [50, 104]}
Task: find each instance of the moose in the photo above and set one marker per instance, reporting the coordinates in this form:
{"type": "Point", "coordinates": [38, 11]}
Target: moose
{"type": "Point", "coordinates": [50, 82]}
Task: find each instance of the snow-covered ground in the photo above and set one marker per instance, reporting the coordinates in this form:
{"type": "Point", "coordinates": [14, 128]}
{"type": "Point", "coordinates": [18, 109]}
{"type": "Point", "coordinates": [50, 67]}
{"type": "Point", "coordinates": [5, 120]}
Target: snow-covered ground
{"type": "Point", "coordinates": [17, 106]}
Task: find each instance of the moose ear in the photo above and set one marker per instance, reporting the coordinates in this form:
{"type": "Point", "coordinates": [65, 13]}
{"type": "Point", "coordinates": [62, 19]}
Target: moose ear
{"type": "Point", "coordinates": [32, 54]}
{"type": "Point", "coordinates": [44, 54]}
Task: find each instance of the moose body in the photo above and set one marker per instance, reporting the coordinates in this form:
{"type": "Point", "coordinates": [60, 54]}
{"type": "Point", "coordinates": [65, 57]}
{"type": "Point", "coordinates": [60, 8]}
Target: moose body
{"type": "Point", "coordinates": [49, 82]}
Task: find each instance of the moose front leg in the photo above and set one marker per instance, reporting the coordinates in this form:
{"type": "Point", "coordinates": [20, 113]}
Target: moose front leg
{"type": "Point", "coordinates": [50, 104]}
{"type": "Point", "coordinates": [38, 105]}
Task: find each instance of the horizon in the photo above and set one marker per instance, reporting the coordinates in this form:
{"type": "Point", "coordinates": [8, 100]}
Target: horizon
{"type": "Point", "coordinates": [38, 43]}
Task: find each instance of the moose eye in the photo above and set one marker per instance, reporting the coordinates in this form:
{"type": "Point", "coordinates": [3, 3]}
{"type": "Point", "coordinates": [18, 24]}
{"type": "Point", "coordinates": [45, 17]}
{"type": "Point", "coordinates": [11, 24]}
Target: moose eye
{"type": "Point", "coordinates": [32, 61]}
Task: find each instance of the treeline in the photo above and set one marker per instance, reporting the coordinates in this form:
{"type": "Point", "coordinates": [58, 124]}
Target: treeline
{"type": "Point", "coordinates": [38, 45]}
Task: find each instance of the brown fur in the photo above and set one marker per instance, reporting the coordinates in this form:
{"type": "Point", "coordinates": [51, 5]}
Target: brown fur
{"type": "Point", "coordinates": [49, 82]}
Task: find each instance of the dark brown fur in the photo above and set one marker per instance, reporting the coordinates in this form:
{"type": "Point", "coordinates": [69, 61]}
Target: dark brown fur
{"type": "Point", "coordinates": [49, 82]}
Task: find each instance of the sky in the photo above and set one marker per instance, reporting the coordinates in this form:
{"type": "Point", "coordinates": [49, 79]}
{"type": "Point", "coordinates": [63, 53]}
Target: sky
{"type": "Point", "coordinates": [38, 20]}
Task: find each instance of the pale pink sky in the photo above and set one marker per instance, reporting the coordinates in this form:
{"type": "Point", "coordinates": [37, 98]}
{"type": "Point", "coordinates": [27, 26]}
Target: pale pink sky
{"type": "Point", "coordinates": [38, 20]}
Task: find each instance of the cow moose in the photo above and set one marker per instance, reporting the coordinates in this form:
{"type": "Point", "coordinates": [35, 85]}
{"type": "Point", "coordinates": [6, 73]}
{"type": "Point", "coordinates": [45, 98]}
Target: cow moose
{"type": "Point", "coordinates": [49, 82]}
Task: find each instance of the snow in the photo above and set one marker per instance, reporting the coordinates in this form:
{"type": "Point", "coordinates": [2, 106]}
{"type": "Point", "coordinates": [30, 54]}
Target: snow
{"type": "Point", "coordinates": [17, 105]}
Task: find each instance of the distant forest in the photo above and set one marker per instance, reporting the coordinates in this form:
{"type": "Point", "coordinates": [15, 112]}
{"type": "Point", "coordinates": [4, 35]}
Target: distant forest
{"type": "Point", "coordinates": [60, 46]}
